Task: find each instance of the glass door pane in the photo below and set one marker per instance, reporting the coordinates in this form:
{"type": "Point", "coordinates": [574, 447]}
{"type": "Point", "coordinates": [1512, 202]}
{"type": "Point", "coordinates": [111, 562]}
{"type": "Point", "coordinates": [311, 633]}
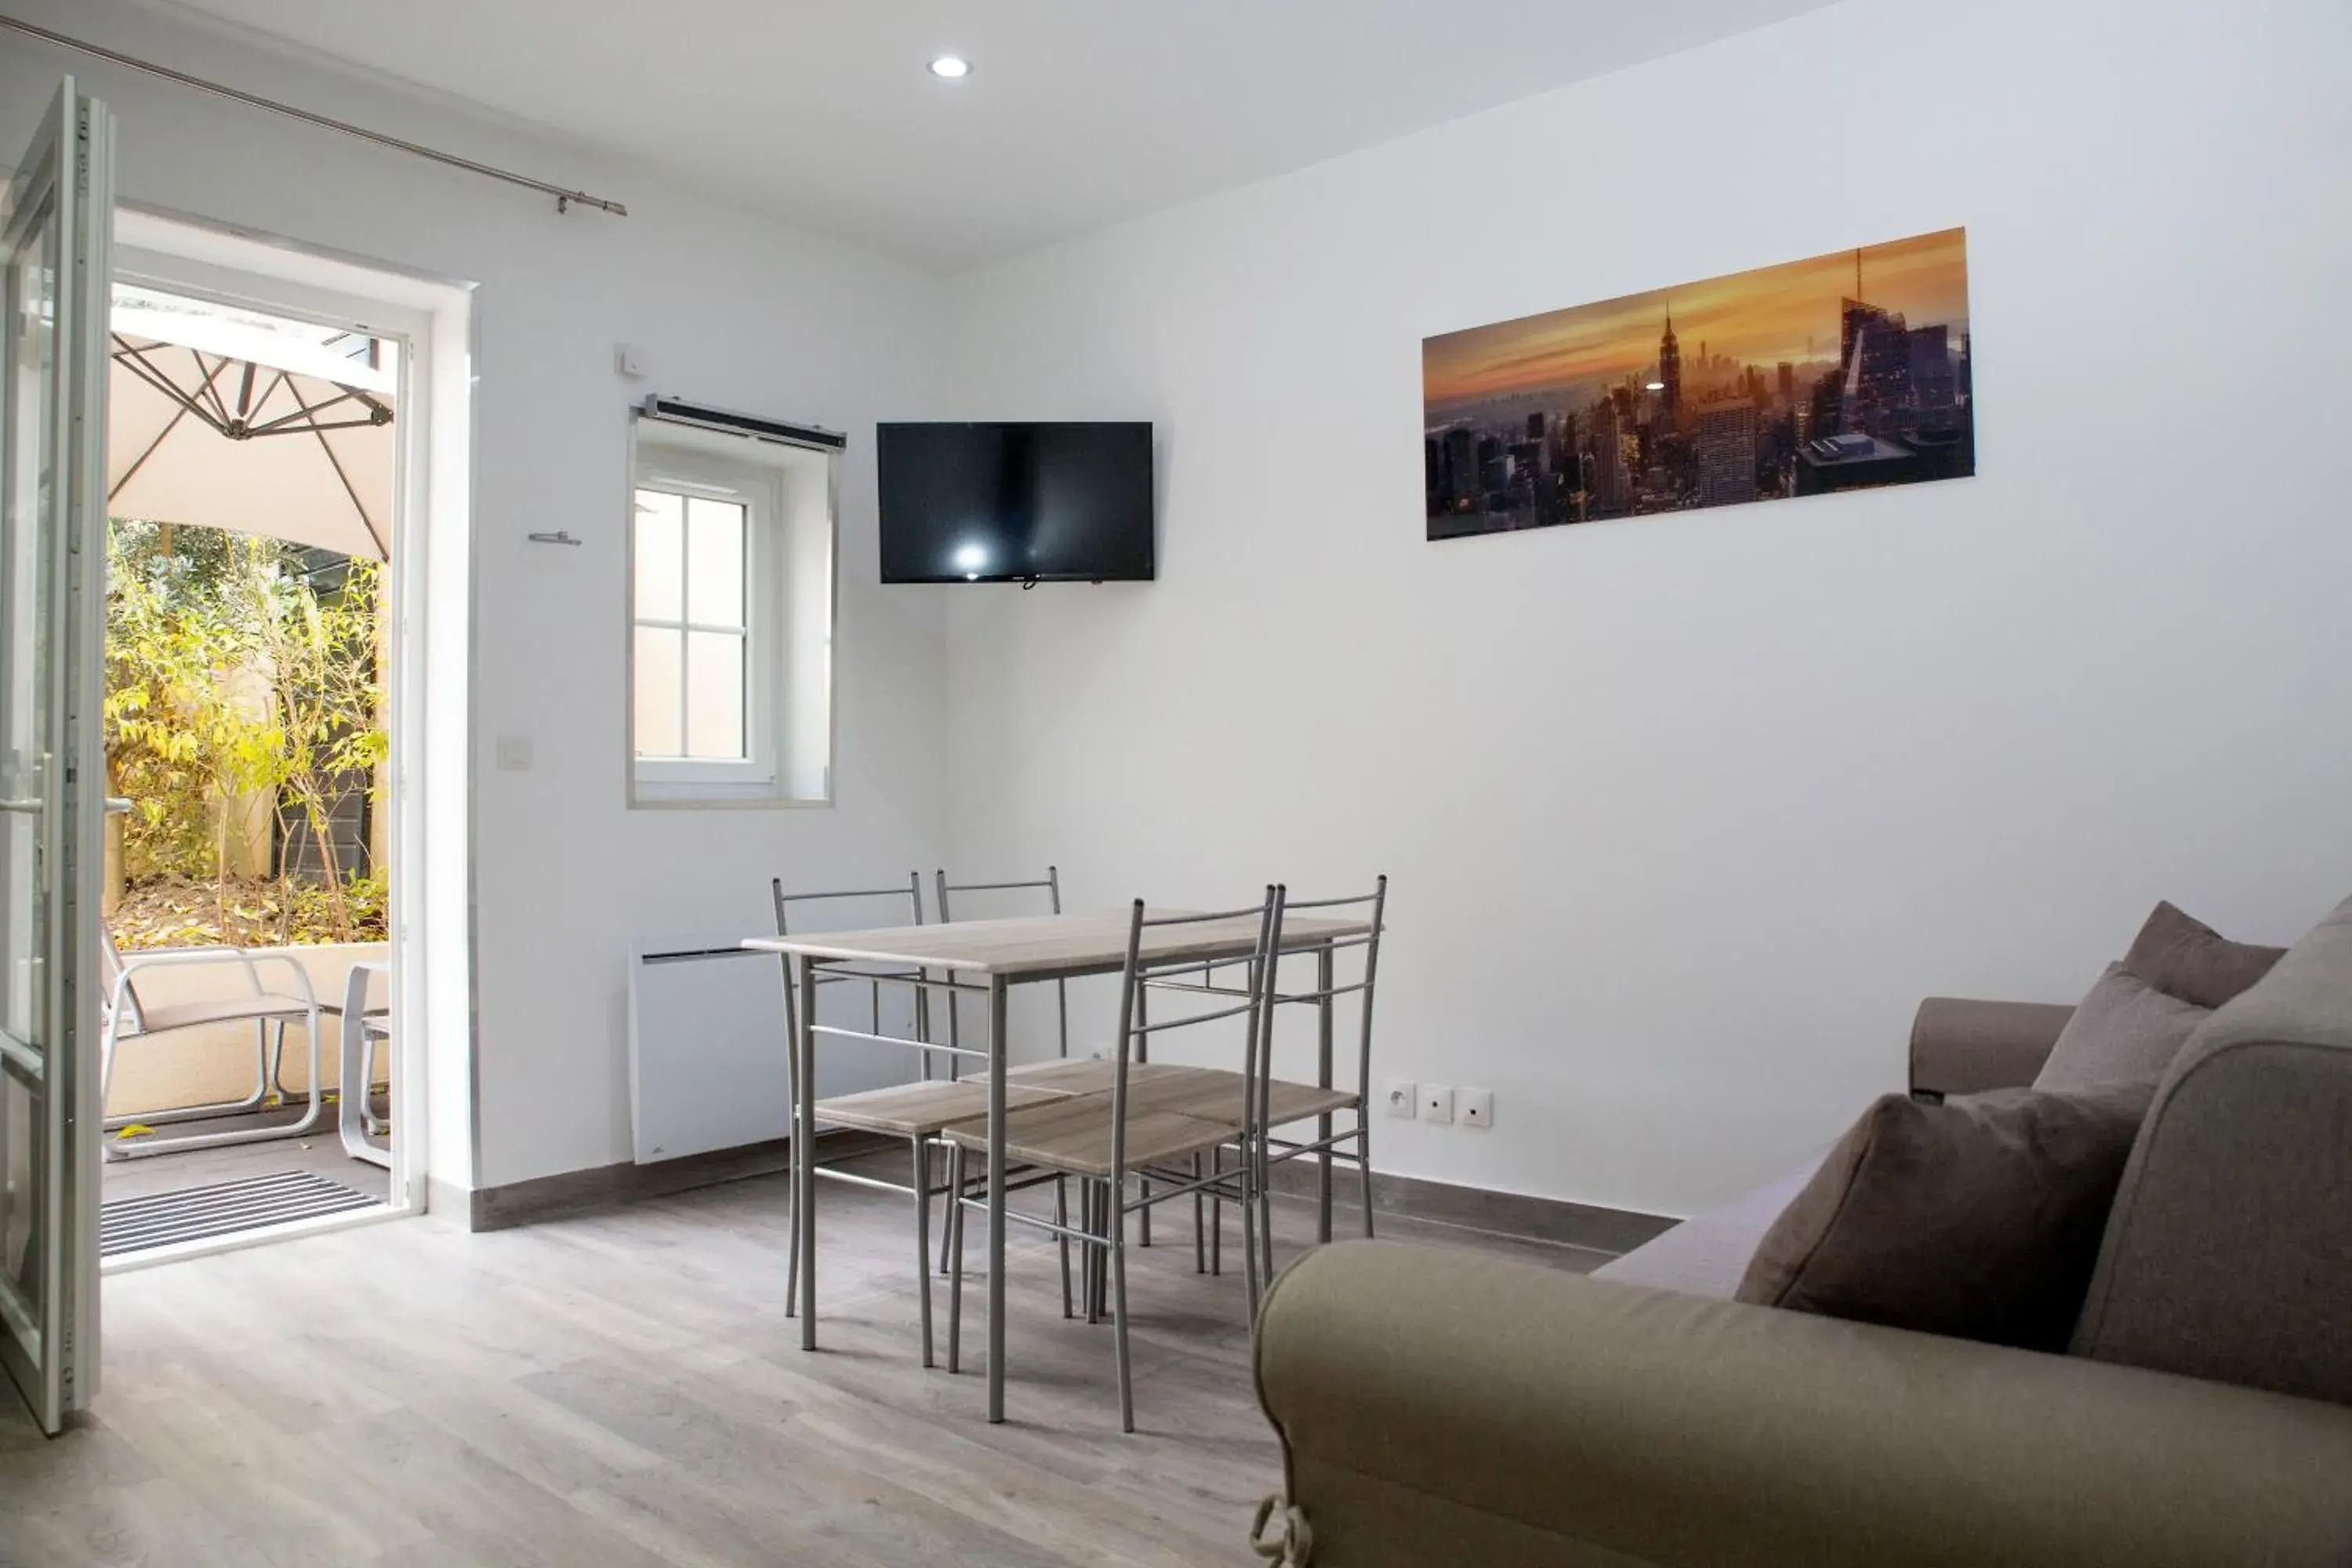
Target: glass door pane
{"type": "Point", "coordinates": [53, 286]}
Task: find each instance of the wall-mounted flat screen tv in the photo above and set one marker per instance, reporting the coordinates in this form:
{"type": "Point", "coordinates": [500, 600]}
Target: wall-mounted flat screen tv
{"type": "Point", "coordinates": [1015, 503]}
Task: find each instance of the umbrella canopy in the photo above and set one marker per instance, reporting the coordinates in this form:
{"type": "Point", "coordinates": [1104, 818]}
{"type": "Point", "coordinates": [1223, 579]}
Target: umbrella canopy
{"type": "Point", "coordinates": [227, 424]}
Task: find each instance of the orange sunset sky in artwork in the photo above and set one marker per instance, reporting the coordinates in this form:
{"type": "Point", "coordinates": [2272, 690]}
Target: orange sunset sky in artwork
{"type": "Point", "coordinates": [1759, 317]}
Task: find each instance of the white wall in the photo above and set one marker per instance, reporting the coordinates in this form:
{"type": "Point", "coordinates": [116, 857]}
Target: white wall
{"type": "Point", "coordinates": [729, 310]}
{"type": "Point", "coordinates": [1683, 815]}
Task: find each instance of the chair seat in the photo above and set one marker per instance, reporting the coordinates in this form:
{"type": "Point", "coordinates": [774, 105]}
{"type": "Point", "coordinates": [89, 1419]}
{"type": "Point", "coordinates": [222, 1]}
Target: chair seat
{"type": "Point", "coordinates": [921, 1110]}
{"type": "Point", "coordinates": [188, 1015]}
{"type": "Point", "coordinates": [1074, 1134]}
{"type": "Point", "coordinates": [1080, 1075]}
{"type": "Point", "coordinates": [1215, 1094]}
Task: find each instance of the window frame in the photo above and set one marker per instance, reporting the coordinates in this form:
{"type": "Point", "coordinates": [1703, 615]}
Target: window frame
{"type": "Point", "coordinates": [792, 587]}
{"type": "Point", "coordinates": [681, 471]}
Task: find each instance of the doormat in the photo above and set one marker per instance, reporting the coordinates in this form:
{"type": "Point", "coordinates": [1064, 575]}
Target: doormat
{"type": "Point", "coordinates": [135, 1224]}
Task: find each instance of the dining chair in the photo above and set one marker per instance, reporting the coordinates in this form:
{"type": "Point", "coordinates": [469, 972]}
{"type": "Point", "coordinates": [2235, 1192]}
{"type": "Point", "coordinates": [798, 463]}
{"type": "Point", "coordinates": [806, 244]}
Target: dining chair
{"type": "Point", "coordinates": [1050, 885]}
{"type": "Point", "coordinates": [124, 1015]}
{"type": "Point", "coordinates": [1284, 1103]}
{"type": "Point", "coordinates": [1060, 1075]}
{"type": "Point", "coordinates": [1276, 1104]}
{"type": "Point", "coordinates": [1110, 1142]}
{"type": "Point", "coordinates": [917, 1113]}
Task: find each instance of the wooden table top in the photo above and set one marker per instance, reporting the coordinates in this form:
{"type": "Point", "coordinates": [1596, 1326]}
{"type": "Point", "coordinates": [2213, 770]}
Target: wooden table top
{"type": "Point", "coordinates": [1049, 946]}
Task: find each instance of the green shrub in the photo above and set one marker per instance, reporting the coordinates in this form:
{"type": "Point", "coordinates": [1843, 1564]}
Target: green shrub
{"type": "Point", "coordinates": [241, 666]}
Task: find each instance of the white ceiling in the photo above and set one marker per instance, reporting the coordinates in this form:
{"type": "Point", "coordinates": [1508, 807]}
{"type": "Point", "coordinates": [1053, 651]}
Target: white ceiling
{"type": "Point", "coordinates": [1078, 113]}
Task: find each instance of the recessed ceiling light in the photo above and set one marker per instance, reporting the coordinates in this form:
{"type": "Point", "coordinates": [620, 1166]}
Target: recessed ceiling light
{"type": "Point", "coordinates": [952, 67]}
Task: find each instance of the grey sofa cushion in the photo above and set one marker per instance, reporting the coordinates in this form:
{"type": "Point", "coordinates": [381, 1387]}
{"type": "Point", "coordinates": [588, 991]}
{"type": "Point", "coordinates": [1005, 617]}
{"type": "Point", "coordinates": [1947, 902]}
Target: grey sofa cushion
{"type": "Point", "coordinates": [2189, 958]}
{"type": "Point", "coordinates": [2229, 1253]}
{"type": "Point", "coordinates": [1979, 1219]}
{"type": "Point", "coordinates": [2124, 1031]}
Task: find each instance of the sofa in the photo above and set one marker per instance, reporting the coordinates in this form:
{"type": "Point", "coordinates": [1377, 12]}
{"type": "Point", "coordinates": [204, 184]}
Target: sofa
{"type": "Point", "coordinates": [1442, 1408]}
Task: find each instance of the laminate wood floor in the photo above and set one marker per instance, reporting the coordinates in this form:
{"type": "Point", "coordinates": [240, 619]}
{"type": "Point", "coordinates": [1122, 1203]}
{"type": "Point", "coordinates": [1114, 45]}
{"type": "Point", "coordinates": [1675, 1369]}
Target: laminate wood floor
{"type": "Point", "coordinates": [624, 1389]}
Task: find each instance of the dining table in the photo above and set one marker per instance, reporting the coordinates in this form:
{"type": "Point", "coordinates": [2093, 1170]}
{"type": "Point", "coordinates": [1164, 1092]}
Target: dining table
{"type": "Point", "coordinates": [985, 960]}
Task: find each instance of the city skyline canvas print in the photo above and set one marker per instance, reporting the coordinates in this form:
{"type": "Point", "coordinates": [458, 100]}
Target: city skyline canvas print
{"type": "Point", "coordinates": [1840, 372]}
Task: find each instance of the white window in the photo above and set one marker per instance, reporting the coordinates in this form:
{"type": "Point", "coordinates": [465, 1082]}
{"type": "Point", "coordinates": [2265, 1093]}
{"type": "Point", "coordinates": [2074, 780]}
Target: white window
{"type": "Point", "coordinates": [730, 618]}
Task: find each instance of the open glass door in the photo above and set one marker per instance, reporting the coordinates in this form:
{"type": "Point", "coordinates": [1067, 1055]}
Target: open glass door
{"type": "Point", "coordinates": [54, 234]}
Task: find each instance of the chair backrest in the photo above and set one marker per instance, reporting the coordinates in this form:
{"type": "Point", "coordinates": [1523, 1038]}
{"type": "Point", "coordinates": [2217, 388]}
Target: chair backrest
{"type": "Point", "coordinates": [1045, 890]}
{"type": "Point", "coordinates": [1284, 942]}
{"type": "Point", "coordinates": [1246, 1002]}
{"type": "Point", "coordinates": [111, 972]}
{"type": "Point", "coordinates": [887, 901]}
{"type": "Point", "coordinates": [862, 908]}
{"type": "Point", "coordinates": [1050, 884]}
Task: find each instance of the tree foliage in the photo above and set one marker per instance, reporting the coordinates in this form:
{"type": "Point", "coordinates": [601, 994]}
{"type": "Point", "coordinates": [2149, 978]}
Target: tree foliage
{"type": "Point", "coordinates": [239, 668]}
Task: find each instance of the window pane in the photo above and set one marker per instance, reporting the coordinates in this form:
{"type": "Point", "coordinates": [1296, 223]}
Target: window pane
{"type": "Point", "coordinates": [657, 726]}
{"type": "Point", "coordinates": [660, 555]}
{"type": "Point", "coordinates": [714, 561]}
{"type": "Point", "coordinates": [714, 695]}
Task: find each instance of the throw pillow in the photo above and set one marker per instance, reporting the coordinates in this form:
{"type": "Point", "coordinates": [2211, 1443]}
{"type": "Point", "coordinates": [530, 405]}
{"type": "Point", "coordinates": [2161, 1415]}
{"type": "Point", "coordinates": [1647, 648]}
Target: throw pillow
{"type": "Point", "coordinates": [1979, 1219]}
{"type": "Point", "coordinates": [2189, 958]}
{"type": "Point", "coordinates": [2126, 1031]}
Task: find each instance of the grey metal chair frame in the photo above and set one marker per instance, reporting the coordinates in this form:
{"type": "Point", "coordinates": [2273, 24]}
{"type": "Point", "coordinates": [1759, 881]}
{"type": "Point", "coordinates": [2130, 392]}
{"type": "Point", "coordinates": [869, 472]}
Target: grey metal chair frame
{"type": "Point", "coordinates": [921, 1187]}
{"type": "Point", "coordinates": [1329, 1145]}
{"type": "Point", "coordinates": [1051, 882]}
{"type": "Point", "coordinates": [1351, 1145]}
{"type": "Point", "coordinates": [1104, 1202]}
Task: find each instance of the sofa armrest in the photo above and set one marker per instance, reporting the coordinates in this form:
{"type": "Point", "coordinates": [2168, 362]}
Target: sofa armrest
{"type": "Point", "coordinates": [1437, 1406]}
{"type": "Point", "coordinates": [2228, 1251]}
{"type": "Point", "coordinates": [1962, 1046]}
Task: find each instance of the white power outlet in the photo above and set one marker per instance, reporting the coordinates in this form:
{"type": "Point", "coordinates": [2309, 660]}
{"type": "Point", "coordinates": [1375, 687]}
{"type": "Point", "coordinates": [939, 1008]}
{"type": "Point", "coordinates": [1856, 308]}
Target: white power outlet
{"type": "Point", "coordinates": [1402, 1097]}
{"type": "Point", "coordinates": [1477, 1107]}
{"type": "Point", "coordinates": [1436, 1103]}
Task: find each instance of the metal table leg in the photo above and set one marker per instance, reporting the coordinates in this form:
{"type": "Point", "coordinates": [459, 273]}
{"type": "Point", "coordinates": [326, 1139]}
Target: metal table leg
{"type": "Point", "coordinates": [805, 1147]}
{"type": "Point", "coordinates": [1323, 972]}
{"type": "Point", "coordinates": [996, 1133]}
{"type": "Point", "coordinates": [923, 1147]}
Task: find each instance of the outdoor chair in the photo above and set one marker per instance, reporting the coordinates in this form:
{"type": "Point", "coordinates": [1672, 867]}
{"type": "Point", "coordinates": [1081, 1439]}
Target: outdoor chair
{"type": "Point", "coordinates": [126, 1016]}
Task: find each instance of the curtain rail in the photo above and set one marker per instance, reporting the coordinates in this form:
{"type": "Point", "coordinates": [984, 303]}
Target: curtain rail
{"type": "Point", "coordinates": [564, 199]}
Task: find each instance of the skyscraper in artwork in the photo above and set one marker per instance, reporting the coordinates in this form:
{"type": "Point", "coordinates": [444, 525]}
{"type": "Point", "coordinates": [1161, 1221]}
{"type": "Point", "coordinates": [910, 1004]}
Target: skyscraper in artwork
{"type": "Point", "coordinates": [1876, 367]}
{"type": "Point", "coordinates": [1670, 371]}
{"type": "Point", "coordinates": [1931, 366]}
{"type": "Point", "coordinates": [1725, 449]}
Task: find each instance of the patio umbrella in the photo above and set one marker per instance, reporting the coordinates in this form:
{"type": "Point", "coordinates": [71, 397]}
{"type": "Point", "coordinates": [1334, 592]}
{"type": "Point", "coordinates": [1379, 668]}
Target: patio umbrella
{"type": "Point", "coordinates": [227, 424]}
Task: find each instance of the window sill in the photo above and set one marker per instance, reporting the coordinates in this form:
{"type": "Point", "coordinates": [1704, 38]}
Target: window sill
{"type": "Point", "coordinates": [641, 801]}
{"type": "Point", "coordinates": [659, 794]}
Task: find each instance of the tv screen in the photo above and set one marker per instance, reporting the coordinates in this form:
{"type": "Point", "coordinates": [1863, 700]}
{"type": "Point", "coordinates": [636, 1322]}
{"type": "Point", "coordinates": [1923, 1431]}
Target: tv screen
{"type": "Point", "coordinates": [1015, 503]}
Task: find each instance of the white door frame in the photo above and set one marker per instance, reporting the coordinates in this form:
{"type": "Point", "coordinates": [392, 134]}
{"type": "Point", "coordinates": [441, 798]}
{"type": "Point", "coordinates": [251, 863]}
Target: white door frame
{"type": "Point", "coordinates": [430, 922]}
